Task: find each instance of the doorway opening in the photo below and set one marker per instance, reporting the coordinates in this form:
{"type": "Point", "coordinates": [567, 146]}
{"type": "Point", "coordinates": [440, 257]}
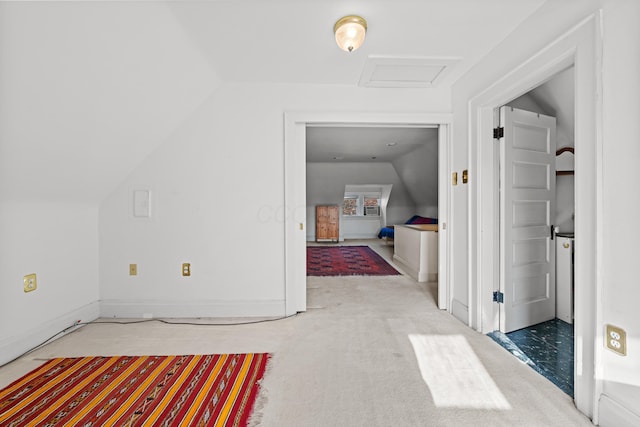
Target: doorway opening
{"type": "Point", "coordinates": [576, 48]}
{"type": "Point", "coordinates": [538, 329]}
{"type": "Point", "coordinates": [375, 175]}
{"type": "Point", "coordinates": [296, 224]}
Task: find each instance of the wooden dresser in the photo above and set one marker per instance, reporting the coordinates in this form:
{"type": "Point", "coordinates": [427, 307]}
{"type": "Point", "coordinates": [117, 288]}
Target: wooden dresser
{"type": "Point", "coordinates": [327, 223]}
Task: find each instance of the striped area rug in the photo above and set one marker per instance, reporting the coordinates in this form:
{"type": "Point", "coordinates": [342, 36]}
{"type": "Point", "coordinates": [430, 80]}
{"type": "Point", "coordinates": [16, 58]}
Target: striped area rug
{"type": "Point", "coordinates": [193, 390]}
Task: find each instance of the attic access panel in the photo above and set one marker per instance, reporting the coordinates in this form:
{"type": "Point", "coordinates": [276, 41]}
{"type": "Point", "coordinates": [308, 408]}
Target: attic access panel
{"type": "Point", "coordinates": [405, 71]}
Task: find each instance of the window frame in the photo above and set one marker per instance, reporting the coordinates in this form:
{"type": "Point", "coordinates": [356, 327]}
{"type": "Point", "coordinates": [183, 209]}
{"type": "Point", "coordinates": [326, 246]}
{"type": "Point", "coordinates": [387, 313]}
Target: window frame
{"type": "Point", "coordinates": [360, 197]}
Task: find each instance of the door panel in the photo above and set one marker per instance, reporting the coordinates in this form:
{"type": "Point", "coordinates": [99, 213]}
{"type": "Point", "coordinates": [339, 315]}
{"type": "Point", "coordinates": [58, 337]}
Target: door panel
{"type": "Point", "coordinates": [527, 206]}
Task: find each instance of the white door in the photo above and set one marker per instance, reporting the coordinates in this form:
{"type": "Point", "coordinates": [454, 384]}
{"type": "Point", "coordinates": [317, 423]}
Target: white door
{"type": "Point", "coordinates": [527, 208]}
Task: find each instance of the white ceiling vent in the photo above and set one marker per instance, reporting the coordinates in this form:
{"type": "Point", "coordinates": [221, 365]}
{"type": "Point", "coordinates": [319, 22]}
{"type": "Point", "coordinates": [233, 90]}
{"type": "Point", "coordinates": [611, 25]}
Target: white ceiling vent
{"type": "Point", "coordinates": [405, 71]}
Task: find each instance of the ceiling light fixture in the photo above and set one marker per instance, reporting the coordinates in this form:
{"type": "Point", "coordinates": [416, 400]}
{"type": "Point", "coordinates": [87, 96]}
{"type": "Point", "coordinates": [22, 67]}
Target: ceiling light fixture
{"type": "Point", "coordinates": [350, 31]}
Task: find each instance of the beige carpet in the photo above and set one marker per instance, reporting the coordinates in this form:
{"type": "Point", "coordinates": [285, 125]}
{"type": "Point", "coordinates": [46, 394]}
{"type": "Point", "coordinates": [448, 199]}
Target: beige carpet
{"type": "Point", "coordinates": [370, 351]}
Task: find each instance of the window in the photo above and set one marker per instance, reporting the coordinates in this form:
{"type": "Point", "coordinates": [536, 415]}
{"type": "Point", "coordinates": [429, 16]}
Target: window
{"type": "Point", "coordinates": [372, 205]}
{"type": "Point", "coordinates": [361, 204]}
{"type": "Point", "coordinates": [350, 206]}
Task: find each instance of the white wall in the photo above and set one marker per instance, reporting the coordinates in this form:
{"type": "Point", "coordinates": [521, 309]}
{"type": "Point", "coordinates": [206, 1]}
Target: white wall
{"type": "Point", "coordinates": [621, 133]}
{"type": "Point", "coordinates": [360, 228]}
{"type": "Point", "coordinates": [78, 112]}
{"type": "Point", "coordinates": [218, 186]}
{"type": "Point", "coordinates": [556, 18]}
{"type": "Point", "coordinates": [618, 298]}
{"type": "Point", "coordinates": [418, 170]}
{"type": "Point", "coordinates": [326, 183]}
{"type": "Point", "coordinates": [59, 243]}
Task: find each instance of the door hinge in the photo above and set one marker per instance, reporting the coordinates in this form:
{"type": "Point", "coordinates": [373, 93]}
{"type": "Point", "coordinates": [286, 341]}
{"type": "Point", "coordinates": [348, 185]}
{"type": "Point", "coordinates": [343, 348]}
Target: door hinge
{"type": "Point", "coordinates": [498, 133]}
{"type": "Point", "coordinates": [498, 297]}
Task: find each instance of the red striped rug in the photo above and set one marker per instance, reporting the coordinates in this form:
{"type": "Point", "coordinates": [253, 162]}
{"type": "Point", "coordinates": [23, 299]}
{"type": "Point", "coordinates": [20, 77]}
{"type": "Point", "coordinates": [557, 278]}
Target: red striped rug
{"type": "Point", "coordinates": [203, 390]}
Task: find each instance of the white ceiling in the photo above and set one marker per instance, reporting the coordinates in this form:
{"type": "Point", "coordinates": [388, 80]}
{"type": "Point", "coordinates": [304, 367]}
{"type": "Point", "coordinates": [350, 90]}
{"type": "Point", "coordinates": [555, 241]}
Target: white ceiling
{"type": "Point", "coordinates": [91, 88]}
{"type": "Point", "coordinates": [366, 144]}
{"type": "Point", "coordinates": [291, 41]}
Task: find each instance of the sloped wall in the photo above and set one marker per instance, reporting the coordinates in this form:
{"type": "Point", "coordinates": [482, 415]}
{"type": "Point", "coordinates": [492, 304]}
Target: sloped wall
{"type": "Point", "coordinates": [88, 91]}
{"type": "Point", "coordinates": [418, 171]}
{"type": "Point", "coordinates": [326, 183]}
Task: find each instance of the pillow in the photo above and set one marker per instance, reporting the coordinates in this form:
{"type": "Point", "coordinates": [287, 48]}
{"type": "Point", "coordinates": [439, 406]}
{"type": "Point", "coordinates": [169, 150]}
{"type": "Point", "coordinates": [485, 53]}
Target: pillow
{"type": "Point", "coordinates": [417, 219]}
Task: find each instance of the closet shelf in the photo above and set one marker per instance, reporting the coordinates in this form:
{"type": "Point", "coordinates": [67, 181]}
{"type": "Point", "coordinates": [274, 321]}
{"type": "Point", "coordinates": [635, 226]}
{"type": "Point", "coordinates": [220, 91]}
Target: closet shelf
{"type": "Point", "coordinates": [568, 168]}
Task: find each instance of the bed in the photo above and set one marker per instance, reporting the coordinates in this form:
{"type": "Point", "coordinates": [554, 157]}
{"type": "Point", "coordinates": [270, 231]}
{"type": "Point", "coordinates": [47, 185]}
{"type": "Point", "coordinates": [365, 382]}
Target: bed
{"type": "Point", "coordinates": [387, 233]}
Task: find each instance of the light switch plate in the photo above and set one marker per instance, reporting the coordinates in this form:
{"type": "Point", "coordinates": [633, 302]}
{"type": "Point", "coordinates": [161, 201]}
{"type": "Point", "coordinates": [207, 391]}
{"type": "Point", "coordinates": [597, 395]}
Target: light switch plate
{"type": "Point", "coordinates": [142, 203]}
{"type": "Point", "coordinates": [30, 282]}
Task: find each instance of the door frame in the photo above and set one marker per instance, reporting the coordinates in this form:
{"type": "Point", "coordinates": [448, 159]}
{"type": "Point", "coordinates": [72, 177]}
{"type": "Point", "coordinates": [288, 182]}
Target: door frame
{"type": "Point", "coordinates": [295, 124]}
{"type": "Point", "coordinates": [581, 48]}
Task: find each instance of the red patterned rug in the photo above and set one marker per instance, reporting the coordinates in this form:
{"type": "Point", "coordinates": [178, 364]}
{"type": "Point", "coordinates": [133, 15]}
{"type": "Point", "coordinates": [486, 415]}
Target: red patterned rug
{"type": "Point", "coordinates": [203, 390]}
{"type": "Point", "coordinates": [346, 261]}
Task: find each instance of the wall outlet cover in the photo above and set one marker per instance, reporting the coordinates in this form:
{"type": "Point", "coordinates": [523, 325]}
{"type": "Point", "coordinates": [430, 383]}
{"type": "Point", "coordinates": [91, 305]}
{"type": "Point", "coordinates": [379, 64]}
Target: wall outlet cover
{"type": "Point", "coordinates": [30, 283]}
{"type": "Point", "coordinates": [616, 340]}
{"type": "Point", "coordinates": [186, 269]}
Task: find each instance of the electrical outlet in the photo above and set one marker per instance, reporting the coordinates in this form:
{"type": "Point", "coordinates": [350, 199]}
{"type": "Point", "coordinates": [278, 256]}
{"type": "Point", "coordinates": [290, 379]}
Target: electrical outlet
{"type": "Point", "coordinates": [616, 340]}
{"type": "Point", "coordinates": [30, 282]}
{"type": "Point", "coordinates": [133, 269]}
{"type": "Point", "coordinates": [186, 269]}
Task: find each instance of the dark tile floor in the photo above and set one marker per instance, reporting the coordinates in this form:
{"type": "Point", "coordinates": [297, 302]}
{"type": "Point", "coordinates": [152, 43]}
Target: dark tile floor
{"type": "Point", "coordinates": [546, 347]}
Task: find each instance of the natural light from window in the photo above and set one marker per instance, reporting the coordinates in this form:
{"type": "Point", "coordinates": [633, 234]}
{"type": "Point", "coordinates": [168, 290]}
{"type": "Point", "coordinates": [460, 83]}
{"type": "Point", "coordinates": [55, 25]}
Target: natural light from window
{"type": "Point", "coordinates": [358, 203]}
{"type": "Point", "coordinates": [454, 374]}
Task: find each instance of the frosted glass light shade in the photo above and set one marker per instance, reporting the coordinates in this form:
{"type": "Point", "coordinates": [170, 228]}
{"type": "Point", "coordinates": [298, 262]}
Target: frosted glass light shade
{"type": "Point", "coordinates": [350, 31]}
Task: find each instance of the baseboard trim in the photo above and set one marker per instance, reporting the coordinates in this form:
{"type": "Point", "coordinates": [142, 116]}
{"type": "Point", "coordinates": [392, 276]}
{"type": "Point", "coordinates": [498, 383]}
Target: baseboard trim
{"type": "Point", "coordinates": [407, 267]}
{"type": "Point", "coordinates": [460, 311]}
{"type": "Point", "coordinates": [360, 236]}
{"type": "Point", "coordinates": [419, 276]}
{"type": "Point", "coordinates": [613, 414]}
{"type": "Point", "coordinates": [190, 309]}
{"type": "Point", "coordinates": [12, 347]}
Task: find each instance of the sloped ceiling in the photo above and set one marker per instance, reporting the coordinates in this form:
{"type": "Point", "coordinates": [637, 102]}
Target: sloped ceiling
{"type": "Point", "coordinates": [413, 152]}
{"type": "Point", "coordinates": [89, 89]}
{"type": "Point", "coordinates": [555, 98]}
{"type": "Point", "coordinates": [365, 144]}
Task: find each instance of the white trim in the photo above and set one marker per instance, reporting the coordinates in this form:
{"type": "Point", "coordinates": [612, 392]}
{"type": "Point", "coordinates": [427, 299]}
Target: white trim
{"type": "Point", "coordinates": [613, 414]}
{"type": "Point", "coordinates": [444, 209]}
{"type": "Point", "coordinates": [142, 308]}
{"type": "Point", "coordinates": [578, 47]}
{"type": "Point", "coordinates": [295, 218]}
{"type": "Point", "coordinates": [295, 186]}
{"type": "Point", "coordinates": [13, 347]}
